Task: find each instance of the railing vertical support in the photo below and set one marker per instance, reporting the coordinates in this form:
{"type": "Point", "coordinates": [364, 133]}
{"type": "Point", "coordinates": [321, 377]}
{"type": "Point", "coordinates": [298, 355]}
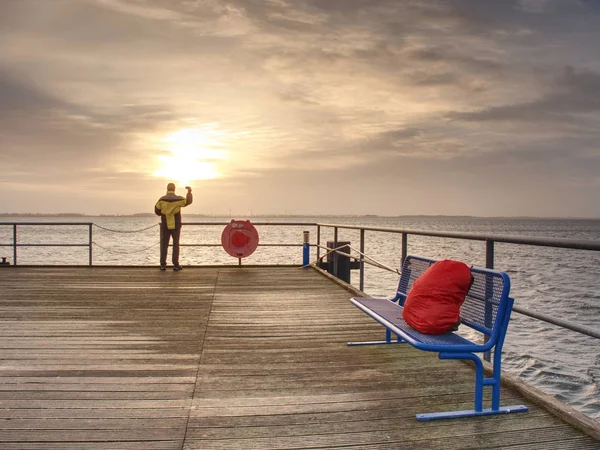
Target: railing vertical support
{"type": "Point", "coordinates": [489, 254]}
{"type": "Point", "coordinates": [90, 243]}
{"type": "Point", "coordinates": [334, 259]}
{"type": "Point", "coordinates": [404, 249]}
{"type": "Point", "coordinates": [15, 244]}
{"type": "Point", "coordinates": [489, 264]}
{"type": "Point", "coordinates": [318, 242]}
{"type": "Point", "coordinates": [362, 260]}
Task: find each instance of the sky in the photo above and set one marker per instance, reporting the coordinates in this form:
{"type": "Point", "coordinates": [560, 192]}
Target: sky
{"type": "Point", "coordinates": [387, 107]}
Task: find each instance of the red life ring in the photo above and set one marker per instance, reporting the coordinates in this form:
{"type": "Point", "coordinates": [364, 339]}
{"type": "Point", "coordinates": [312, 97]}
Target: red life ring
{"type": "Point", "coordinates": [239, 238]}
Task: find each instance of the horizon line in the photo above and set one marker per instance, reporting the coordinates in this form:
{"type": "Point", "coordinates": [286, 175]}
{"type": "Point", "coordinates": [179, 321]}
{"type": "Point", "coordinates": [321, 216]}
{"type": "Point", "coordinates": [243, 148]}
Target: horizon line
{"type": "Point", "coordinates": [464, 216]}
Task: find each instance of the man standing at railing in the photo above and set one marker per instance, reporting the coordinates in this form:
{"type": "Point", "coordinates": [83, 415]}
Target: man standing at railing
{"type": "Point", "coordinates": [168, 208]}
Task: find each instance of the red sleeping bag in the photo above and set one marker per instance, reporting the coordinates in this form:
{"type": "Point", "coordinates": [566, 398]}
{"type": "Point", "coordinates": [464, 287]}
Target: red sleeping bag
{"type": "Point", "coordinates": [433, 304]}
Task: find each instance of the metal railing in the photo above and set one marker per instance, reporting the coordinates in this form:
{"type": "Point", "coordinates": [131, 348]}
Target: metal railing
{"type": "Point", "coordinates": [15, 243]}
{"type": "Point", "coordinates": [90, 242]}
{"type": "Point", "coordinates": [489, 240]}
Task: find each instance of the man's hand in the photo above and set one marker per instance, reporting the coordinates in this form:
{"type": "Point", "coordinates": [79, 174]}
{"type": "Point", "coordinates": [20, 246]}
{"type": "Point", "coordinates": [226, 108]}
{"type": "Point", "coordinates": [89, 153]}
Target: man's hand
{"type": "Point", "coordinates": [188, 188]}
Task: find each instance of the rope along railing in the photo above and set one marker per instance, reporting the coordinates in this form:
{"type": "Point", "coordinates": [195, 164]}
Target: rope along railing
{"type": "Point", "coordinates": [124, 252]}
{"type": "Point", "coordinates": [366, 258]}
{"type": "Point", "coordinates": [125, 231]}
{"type": "Point", "coordinates": [91, 244]}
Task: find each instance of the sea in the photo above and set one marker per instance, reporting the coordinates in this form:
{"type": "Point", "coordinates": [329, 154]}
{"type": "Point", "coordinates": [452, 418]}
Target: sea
{"type": "Point", "coordinates": [563, 283]}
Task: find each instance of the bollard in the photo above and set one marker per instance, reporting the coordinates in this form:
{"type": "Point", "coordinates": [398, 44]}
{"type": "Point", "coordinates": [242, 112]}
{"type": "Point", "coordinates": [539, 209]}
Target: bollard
{"type": "Point", "coordinates": [306, 249]}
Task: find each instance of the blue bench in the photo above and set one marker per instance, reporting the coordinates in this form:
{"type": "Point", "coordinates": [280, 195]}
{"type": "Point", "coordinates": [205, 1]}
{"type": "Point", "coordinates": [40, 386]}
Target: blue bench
{"type": "Point", "coordinates": [486, 310]}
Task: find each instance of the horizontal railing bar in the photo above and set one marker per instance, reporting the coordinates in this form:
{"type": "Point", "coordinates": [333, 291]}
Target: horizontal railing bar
{"type": "Point", "coordinates": [559, 322]}
{"type": "Point", "coordinates": [44, 245]}
{"type": "Point", "coordinates": [543, 242]}
{"type": "Point", "coordinates": [292, 224]}
{"type": "Point", "coordinates": [260, 245]}
{"type": "Point", "coordinates": [47, 223]}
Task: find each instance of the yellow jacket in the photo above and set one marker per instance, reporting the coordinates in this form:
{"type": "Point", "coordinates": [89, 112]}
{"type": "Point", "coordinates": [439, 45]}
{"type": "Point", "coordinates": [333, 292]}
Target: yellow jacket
{"type": "Point", "coordinates": [169, 208]}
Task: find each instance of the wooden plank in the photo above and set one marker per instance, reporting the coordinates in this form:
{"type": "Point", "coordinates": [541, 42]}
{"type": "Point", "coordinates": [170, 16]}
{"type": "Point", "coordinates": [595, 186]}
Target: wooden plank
{"type": "Point", "coordinates": [225, 358]}
{"type": "Point", "coordinates": [129, 445]}
{"type": "Point", "coordinates": [389, 424]}
{"type": "Point", "coordinates": [474, 439]}
{"type": "Point", "coordinates": [78, 423]}
{"type": "Point", "coordinates": [96, 415]}
{"type": "Point", "coordinates": [327, 413]}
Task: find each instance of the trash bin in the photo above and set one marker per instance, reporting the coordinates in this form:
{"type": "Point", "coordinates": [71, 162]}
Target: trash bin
{"type": "Point", "coordinates": [338, 265]}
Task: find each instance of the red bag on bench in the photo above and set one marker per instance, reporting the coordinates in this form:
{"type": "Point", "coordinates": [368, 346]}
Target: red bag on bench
{"type": "Point", "coordinates": [433, 304]}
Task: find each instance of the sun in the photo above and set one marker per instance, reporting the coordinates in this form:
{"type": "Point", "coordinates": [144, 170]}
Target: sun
{"type": "Point", "coordinates": [193, 155]}
{"type": "Point", "coordinates": [185, 170]}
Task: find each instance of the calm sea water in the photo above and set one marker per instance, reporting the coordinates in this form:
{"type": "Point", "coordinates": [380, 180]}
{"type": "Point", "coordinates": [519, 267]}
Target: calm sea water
{"type": "Point", "coordinates": [561, 282]}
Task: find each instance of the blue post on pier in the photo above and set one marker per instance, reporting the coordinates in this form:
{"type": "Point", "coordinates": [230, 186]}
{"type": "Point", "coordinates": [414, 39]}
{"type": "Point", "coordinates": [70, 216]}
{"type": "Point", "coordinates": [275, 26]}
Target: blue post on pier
{"type": "Point", "coordinates": [306, 249]}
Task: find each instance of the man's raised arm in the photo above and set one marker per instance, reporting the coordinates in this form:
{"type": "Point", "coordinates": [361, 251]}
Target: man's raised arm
{"type": "Point", "coordinates": [189, 198]}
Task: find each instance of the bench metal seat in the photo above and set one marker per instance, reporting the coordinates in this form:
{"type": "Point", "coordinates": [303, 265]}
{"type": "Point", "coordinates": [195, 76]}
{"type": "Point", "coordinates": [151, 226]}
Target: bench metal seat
{"type": "Point", "coordinates": [486, 310]}
{"type": "Point", "coordinates": [385, 311]}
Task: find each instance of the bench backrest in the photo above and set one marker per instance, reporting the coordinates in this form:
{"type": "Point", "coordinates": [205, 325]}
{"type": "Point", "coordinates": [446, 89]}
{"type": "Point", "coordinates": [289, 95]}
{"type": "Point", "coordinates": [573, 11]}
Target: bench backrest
{"type": "Point", "coordinates": [487, 306]}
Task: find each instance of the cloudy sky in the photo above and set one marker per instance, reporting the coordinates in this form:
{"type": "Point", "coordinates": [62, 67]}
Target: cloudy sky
{"type": "Point", "coordinates": [389, 107]}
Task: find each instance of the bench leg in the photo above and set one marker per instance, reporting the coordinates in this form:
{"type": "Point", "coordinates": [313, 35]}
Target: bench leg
{"type": "Point", "coordinates": [388, 340]}
{"type": "Point", "coordinates": [480, 382]}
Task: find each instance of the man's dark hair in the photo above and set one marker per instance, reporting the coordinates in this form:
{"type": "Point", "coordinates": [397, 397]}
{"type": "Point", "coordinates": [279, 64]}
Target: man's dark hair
{"type": "Point", "coordinates": [170, 187]}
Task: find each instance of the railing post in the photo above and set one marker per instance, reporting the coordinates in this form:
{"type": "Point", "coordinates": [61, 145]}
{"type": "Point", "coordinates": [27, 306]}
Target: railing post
{"type": "Point", "coordinates": [318, 242]}
{"type": "Point", "coordinates": [15, 244]}
{"type": "Point", "coordinates": [362, 260]}
{"type": "Point", "coordinates": [306, 249]}
{"type": "Point", "coordinates": [333, 260]}
{"type": "Point", "coordinates": [489, 288]}
{"type": "Point", "coordinates": [90, 243]}
{"type": "Point", "coordinates": [404, 249]}
{"type": "Point", "coordinates": [489, 253]}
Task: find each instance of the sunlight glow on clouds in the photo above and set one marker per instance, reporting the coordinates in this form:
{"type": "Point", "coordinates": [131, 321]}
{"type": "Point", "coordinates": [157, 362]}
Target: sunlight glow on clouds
{"type": "Point", "coordinates": [192, 154]}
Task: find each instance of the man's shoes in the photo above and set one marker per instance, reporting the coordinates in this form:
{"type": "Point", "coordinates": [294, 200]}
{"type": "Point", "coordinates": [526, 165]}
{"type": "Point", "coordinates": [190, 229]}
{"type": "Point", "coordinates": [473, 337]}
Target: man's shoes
{"type": "Point", "coordinates": [163, 267]}
{"type": "Point", "coordinates": [177, 268]}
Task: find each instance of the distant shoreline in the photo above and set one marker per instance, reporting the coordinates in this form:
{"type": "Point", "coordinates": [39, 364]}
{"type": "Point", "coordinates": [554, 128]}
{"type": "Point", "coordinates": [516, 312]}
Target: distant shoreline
{"type": "Point", "coordinates": [365, 216]}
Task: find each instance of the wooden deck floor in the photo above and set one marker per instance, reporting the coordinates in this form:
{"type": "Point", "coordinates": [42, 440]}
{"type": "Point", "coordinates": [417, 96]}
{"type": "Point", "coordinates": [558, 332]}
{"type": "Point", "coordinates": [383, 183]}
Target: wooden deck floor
{"type": "Point", "coordinates": [224, 358]}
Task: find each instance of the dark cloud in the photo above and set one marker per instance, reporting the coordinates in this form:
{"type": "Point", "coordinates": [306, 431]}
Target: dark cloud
{"type": "Point", "coordinates": [17, 94]}
{"type": "Point", "coordinates": [453, 56]}
{"type": "Point", "coordinates": [396, 135]}
{"type": "Point", "coordinates": [572, 93]}
{"type": "Point", "coordinates": [432, 79]}
{"type": "Point", "coordinates": [585, 82]}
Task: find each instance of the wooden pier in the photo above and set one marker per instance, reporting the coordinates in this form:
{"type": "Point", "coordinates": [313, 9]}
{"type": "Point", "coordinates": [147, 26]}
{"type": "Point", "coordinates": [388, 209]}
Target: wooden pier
{"type": "Point", "coordinates": [227, 358]}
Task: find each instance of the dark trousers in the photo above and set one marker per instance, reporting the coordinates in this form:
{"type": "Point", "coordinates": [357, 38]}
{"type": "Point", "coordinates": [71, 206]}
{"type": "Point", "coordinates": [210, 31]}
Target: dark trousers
{"type": "Point", "coordinates": [165, 237]}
